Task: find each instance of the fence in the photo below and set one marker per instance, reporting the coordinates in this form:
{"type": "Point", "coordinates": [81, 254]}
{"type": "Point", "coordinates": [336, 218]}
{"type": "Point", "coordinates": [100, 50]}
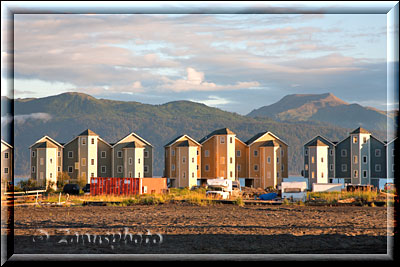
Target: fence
{"type": "Point", "coordinates": [114, 186]}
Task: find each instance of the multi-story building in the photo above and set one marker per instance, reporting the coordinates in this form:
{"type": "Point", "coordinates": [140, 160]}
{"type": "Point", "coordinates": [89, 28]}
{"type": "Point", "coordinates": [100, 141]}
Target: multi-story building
{"type": "Point", "coordinates": [260, 162]}
{"type": "Point", "coordinates": [6, 164]}
{"type": "Point", "coordinates": [390, 155]}
{"type": "Point", "coordinates": [359, 159]}
{"type": "Point", "coordinates": [267, 160]}
{"type": "Point", "coordinates": [46, 161]}
{"type": "Point", "coordinates": [87, 155]}
{"type": "Point", "coordinates": [319, 160]}
{"type": "Point", "coordinates": [218, 155]}
{"type": "Point", "coordinates": [183, 161]}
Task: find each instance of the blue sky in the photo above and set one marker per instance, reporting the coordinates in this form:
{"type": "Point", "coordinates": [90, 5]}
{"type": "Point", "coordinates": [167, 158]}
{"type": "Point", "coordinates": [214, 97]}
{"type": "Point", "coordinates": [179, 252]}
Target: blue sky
{"type": "Point", "coordinates": [236, 62]}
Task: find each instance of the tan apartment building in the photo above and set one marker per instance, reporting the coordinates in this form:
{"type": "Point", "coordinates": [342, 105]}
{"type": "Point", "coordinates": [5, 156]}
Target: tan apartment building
{"type": "Point", "coordinates": [183, 161]}
{"type": "Point", "coordinates": [267, 160]}
{"type": "Point", "coordinates": [241, 159]}
{"type": "Point", "coordinates": [46, 161]}
{"type": "Point", "coordinates": [132, 156]}
{"type": "Point", "coordinates": [218, 155]}
{"type": "Point", "coordinates": [6, 164]}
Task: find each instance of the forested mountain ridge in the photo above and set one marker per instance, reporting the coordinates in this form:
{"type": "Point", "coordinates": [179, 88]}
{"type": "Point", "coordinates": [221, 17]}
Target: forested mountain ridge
{"type": "Point", "coordinates": [64, 116]}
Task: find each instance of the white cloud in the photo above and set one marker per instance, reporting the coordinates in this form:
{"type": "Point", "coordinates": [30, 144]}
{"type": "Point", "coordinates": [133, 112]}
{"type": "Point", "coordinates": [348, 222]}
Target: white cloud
{"type": "Point", "coordinates": [20, 119]}
{"type": "Point", "coordinates": [213, 101]}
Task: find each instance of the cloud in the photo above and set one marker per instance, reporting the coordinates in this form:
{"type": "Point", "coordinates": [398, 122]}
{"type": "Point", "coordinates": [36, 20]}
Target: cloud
{"type": "Point", "coordinates": [20, 119]}
{"type": "Point", "coordinates": [214, 101]}
{"type": "Point", "coordinates": [195, 82]}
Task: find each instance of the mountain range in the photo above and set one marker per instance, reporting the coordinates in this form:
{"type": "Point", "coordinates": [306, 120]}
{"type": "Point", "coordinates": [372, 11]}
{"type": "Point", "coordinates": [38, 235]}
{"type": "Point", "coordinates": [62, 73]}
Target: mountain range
{"type": "Point", "coordinates": [64, 116]}
{"type": "Point", "coordinates": [325, 108]}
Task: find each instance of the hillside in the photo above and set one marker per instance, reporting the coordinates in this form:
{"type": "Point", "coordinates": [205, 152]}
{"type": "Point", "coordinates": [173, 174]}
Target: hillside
{"type": "Point", "coordinates": [325, 108]}
{"type": "Point", "coordinates": [63, 116]}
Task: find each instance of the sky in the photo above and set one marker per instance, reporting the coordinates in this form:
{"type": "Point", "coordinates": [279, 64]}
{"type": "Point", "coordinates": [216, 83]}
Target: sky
{"type": "Point", "coordinates": [235, 62]}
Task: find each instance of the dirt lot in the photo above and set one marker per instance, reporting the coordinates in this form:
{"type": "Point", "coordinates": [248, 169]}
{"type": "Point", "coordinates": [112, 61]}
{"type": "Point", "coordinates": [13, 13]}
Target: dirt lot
{"type": "Point", "coordinates": [215, 229]}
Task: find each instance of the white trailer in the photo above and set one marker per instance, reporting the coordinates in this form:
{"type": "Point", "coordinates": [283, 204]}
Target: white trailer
{"type": "Point", "coordinates": [329, 187]}
{"type": "Point", "coordinates": [294, 191]}
{"type": "Point", "coordinates": [220, 188]}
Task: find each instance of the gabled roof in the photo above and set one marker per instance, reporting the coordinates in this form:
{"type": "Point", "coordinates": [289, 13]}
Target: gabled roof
{"type": "Point", "coordinates": [360, 130]}
{"type": "Point", "coordinates": [7, 144]}
{"type": "Point", "coordinates": [259, 135]}
{"type": "Point", "coordinates": [223, 131]}
{"type": "Point", "coordinates": [105, 142]}
{"type": "Point", "coordinates": [378, 140]}
{"type": "Point", "coordinates": [319, 137]}
{"type": "Point", "coordinates": [87, 132]}
{"type": "Point", "coordinates": [50, 139]}
{"type": "Point", "coordinates": [391, 141]}
{"type": "Point", "coordinates": [133, 145]}
{"type": "Point", "coordinates": [317, 142]}
{"type": "Point", "coordinates": [191, 143]}
{"type": "Point", "coordinates": [236, 138]}
{"type": "Point", "coordinates": [270, 143]}
{"type": "Point", "coordinates": [135, 135]}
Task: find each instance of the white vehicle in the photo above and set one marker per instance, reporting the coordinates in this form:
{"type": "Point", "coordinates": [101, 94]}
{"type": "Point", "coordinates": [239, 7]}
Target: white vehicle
{"type": "Point", "coordinates": [219, 188]}
{"type": "Point", "coordinates": [294, 191]}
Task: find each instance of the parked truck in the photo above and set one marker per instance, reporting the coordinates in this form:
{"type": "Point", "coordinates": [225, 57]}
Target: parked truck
{"type": "Point", "coordinates": [219, 188]}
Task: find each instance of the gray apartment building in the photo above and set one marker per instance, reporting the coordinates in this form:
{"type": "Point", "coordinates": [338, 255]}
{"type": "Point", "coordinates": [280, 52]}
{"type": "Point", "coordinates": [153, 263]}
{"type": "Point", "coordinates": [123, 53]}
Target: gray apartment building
{"type": "Point", "coordinates": [359, 159]}
{"type": "Point", "coordinates": [6, 164]}
{"type": "Point", "coordinates": [88, 155]}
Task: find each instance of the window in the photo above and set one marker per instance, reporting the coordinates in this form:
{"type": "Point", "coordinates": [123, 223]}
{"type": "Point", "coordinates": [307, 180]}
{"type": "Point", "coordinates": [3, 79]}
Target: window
{"type": "Point", "coordinates": [377, 167]}
{"type": "Point", "coordinates": [277, 159]}
{"type": "Point", "coordinates": [306, 167]}
{"type": "Point", "coordinates": [322, 159]}
{"type": "Point", "coordinates": [355, 159]}
{"type": "Point", "coordinates": [173, 167]}
{"type": "Point", "coordinates": [377, 152]}
{"type": "Point", "coordinates": [184, 174]}
{"type": "Point", "coordinates": [33, 169]}
{"type": "Point", "coordinates": [365, 159]}
{"type": "Point", "coordinates": [138, 160]}
{"type": "Point", "coordinates": [344, 167]}
{"type": "Point", "coordinates": [138, 174]}
{"type": "Point", "coordinates": [146, 168]}
{"type": "Point", "coordinates": [255, 153]}
{"type": "Point", "coordinates": [103, 154]}
{"type": "Point", "coordinates": [355, 174]}
{"type": "Point", "coordinates": [222, 139]}
{"type": "Point", "coordinates": [192, 160]}
{"type": "Point", "coordinates": [239, 167]}
{"type": "Point", "coordinates": [83, 141]}
{"type": "Point", "coordinates": [197, 167]}
{"type": "Point", "coordinates": [282, 152]}
{"type": "Point", "coordinates": [283, 167]}
{"type": "Point", "coordinates": [92, 161]}
{"type": "Point", "coordinates": [364, 140]}
{"type": "Point", "coordinates": [230, 140]}
{"type": "Point", "coordinates": [192, 174]}
{"type": "Point", "coordinates": [33, 154]}
{"type": "Point", "coordinates": [231, 160]}
{"type": "Point", "coordinates": [70, 168]}
{"type": "Point", "coordinates": [277, 174]}
{"type": "Point", "coordinates": [312, 159]}
{"type": "Point", "coordinates": [130, 161]}
{"type": "Point", "coordinates": [269, 160]}
{"type": "Point", "coordinates": [306, 152]}
{"type": "Point", "coordinates": [83, 161]}
{"type": "Point", "coordinates": [41, 161]}
{"type": "Point", "coordinates": [238, 153]}
{"type": "Point", "coordinates": [41, 175]}
{"type": "Point", "coordinates": [255, 167]}
{"type": "Point", "coordinates": [58, 168]}
{"type": "Point", "coordinates": [206, 153]}
{"type": "Point", "coordinates": [331, 167]}
{"type": "Point", "coordinates": [322, 175]}
{"type": "Point", "coordinates": [206, 168]}
{"type": "Point", "coordinates": [59, 153]}
{"type": "Point", "coordinates": [146, 154]}
{"type": "Point", "coordinates": [355, 139]}
{"type": "Point", "coordinates": [70, 154]}
{"type": "Point", "coordinates": [330, 152]}
{"type": "Point", "coordinates": [6, 170]}
{"type": "Point", "coordinates": [103, 169]}
{"type": "Point", "coordinates": [364, 174]}
{"type": "Point", "coordinates": [231, 174]}
{"type": "Point", "coordinates": [119, 169]}
{"type": "Point", "coordinates": [92, 143]}
{"type": "Point", "coordinates": [173, 152]}
{"type": "Point", "coordinates": [197, 152]}
{"type": "Point", "coordinates": [51, 160]}
{"type": "Point", "coordinates": [130, 174]}
{"type": "Point", "coordinates": [312, 175]}
{"type": "Point", "coordinates": [343, 153]}
{"type": "Point", "coordinates": [183, 159]}
{"type": "Point", "coordinates": [92, 174]}
{"type": "Point", "coordinates": [119, 154]}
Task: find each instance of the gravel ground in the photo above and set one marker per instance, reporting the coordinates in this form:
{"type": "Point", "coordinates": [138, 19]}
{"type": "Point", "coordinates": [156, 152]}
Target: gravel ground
{"type": "Point", "coordinates": [189, 229]}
